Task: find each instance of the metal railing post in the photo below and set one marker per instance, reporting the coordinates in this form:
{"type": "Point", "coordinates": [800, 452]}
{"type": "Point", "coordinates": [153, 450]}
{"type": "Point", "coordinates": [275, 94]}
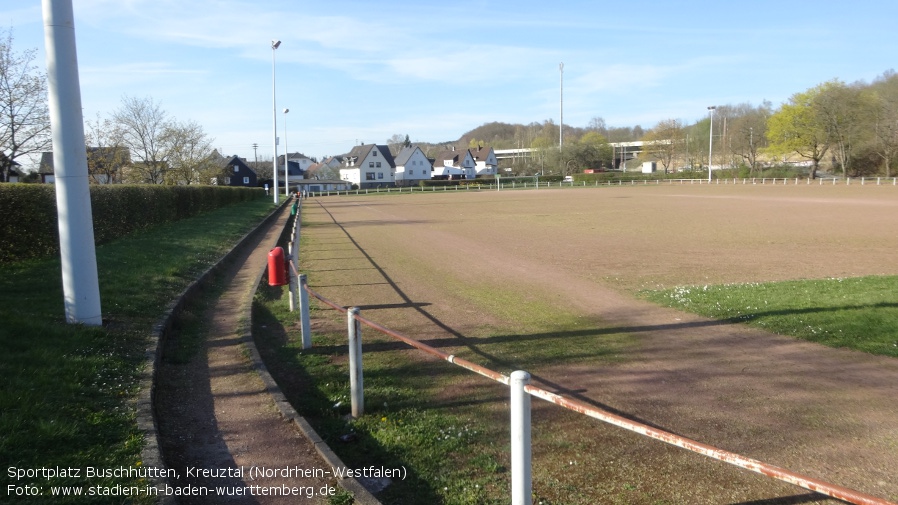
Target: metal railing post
{"type": "Point", "coordinates": [291, 287]}
{"type": "Point", "coordinates": [305, 325]}
{"type": "Point", "coordinates": [356, 382]}
{"type": "Point", "coordinates": [521, 477]}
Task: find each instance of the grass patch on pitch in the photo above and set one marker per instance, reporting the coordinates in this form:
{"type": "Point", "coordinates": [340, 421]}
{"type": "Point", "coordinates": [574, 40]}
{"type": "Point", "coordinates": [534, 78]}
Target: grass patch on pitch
{"type": "Point", "coordinates": [859, 313]}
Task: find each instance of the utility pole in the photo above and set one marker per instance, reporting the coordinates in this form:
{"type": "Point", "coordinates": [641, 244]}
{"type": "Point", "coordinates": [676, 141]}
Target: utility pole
{"type": "Point", "coordinates": [255, 152]}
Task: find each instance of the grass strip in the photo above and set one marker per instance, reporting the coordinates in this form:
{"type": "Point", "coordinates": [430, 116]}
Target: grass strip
{"type": "Point", "coordinates": [67, 398]}
{"type": "Point", "coordinates": [859, 313]}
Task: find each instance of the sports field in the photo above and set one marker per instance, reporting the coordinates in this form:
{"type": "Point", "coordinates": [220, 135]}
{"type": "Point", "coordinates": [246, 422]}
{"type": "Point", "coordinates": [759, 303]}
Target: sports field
{"type": "Point", "coordinates": [491, 271]}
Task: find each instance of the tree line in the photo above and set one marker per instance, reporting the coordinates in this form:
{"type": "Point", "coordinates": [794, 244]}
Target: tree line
{"type": "Point", "coordinates": [849, 128]}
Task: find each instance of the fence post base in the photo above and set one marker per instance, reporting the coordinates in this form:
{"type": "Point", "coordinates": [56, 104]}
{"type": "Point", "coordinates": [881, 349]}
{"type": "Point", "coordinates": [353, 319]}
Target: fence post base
{"type": "Point", "coordinates": [305, 326]}
{"type": "Point", "coordinates": [356, 382]}
{"type": "Point", "coordinates": [521, 476]}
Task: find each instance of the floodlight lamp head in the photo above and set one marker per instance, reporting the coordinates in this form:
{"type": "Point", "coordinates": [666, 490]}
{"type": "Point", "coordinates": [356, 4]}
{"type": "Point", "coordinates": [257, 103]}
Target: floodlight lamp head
{"type": "Point", "coordinates": [275, 44]}
{"type": "Point", "coordinates": [712, 107]}
{"type": "Point", "coordinates": [286, 111]}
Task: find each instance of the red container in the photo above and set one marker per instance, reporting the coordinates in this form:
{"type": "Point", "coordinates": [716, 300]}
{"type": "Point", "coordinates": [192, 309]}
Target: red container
{"type": "Point", "coordinates": [277, 267]}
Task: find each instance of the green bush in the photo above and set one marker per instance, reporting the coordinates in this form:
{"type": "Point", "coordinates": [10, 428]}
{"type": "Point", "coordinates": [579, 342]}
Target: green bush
{"type": "Point", "coordinates": [29, 227]}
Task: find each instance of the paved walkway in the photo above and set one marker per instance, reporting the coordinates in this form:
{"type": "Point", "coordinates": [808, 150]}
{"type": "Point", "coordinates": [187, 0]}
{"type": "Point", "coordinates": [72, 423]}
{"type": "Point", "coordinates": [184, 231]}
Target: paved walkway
{"type": "Point", "coordinates": [217, 420]}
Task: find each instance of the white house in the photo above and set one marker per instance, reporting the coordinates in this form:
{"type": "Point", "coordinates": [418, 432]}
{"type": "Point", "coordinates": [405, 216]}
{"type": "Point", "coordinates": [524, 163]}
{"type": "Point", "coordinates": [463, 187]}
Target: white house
{"type": "Point", "coordinates": [301, 160]}
{"type": "Point", "coordinates": [412, 166]}
{"type": "Point", "coordinates": [485, 160]}
{"type": "Point", "coordinates": [369, 166]}
{"type": "Point", "coordinates": [454, 165]}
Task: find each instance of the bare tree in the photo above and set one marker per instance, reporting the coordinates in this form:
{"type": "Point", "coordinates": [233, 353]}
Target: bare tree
{"type": "Point", "coordinates": [106, 156]}
{"type": "Point", "coordinates": [24, 115]}
{"type": "Point", "coordinates": [141, 123]}
{"type": "Point", "coordinates": [747, 134]}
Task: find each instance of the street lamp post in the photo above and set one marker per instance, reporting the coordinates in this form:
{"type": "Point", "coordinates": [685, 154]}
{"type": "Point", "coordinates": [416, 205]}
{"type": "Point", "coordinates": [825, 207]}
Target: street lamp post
{"type": "Point", "coordinates": [274, 45]}
{"type": "Point", "coordinates": [286, 159]}
{"type": "Point", "coordinates": [710, 140]}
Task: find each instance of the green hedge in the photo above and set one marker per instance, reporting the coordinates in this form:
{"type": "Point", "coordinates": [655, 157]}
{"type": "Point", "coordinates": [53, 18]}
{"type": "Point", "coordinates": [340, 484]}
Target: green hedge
{"type": "Point", "coordinates": [28, 218]}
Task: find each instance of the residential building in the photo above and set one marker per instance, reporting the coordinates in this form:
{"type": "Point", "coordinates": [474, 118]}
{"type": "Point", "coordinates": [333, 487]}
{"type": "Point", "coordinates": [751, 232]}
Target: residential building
{"type": "Point", "coordinates": [235, 172]}
{"type": "Point", "coordinates": [454, 164]}
{"type": "Point", "coordinates": [412, 167]}
{"type": "Point", "coordinates": [295, 170]}
{"type": "Point", "coordinates": [485, 160]}
{"type": "Point", "coordinates": [104, 165]}
{"type": "Point", "coordinates": [13, 174]}
{"type": "Point", "coordinates": [369, 166]}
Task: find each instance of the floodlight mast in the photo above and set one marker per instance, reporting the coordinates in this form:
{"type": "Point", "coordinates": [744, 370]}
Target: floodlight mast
{"type": "Point", "coordinates": [286, 159]}
{"type": "Point", "coordinates": [78, 255]}
{"type": "Point", "coordinates": [274, 45]}
{"type": "Point", "coordinates": [710, 139]}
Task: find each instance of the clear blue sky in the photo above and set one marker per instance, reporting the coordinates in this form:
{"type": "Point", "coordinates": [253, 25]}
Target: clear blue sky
{"type": "Point", "coordinates": [365, 70]}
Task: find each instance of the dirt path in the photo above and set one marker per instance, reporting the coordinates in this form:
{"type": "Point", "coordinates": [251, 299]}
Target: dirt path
{"type": "Point", "coordinates": [823, 412]}
{"type": "Point", "coordinates": [216, 416]}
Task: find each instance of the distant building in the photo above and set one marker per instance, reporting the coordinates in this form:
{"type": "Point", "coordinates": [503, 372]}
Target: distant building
{"type": "Point", "coordinates": [454, 164]}
{"type": "Point", "coordinates": [485, 160]}
{"type": "Point", "coordinates": [412, 166]}
{"type": "Point", "coordinates": [234, 172]}
{"type": "Point", "coordinates": [13, 175]}
{"type": "Point", "coordinates": [104, 165]}
{"type": "Point", "coordinates": [369, 166]}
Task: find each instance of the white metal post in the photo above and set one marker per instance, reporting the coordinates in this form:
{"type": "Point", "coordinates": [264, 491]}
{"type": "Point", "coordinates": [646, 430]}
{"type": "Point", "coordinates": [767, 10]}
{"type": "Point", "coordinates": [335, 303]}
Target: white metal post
{"type": "Point", "coordinates": [356, 382]}
{"type": "Point", "coordinates": [305, 327]}
{"type": "Point", "coordinates": [291, 286]}
{"type": "Point", "coordinates": [521, 466]}
{"type": "Point", "coordinates": [80, 284]}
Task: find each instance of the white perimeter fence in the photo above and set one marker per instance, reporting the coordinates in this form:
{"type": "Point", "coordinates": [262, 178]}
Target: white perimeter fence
{"type": "Point", "coordinates": [520, 392]}
{"type": "Point", "coordinates": [512, 185]}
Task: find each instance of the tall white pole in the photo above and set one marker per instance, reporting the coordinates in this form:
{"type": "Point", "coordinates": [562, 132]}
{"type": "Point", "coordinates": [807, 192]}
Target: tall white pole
{"type": "Point", "coordinates": [711, 140]}
{"type": "Point", "coordinates": [286, 160]}
{"type": "Point", "coordinates": [274, 108]}
{"type": "Point", "coordinates": [80, 285]}
{"type": "Point", "coordinates": [561, 107]}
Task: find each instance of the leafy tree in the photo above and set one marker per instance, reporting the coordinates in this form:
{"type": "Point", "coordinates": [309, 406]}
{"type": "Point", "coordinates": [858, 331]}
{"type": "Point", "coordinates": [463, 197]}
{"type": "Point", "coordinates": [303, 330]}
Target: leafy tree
{"type": "Point", "coordinates": [843, 111]}
{"type": "Point", "coordinates": [592, 150]}
{"type": "Point", "coordinates": [797, 128]}
{"type": "Point", "coordinates": [668, 139]}
{"type": "Point", "coordinates": [24, 115]}
{"type": "Point", "coordinates": [189, 154]}
{"type": "Point", "coordinates": [884, 101]}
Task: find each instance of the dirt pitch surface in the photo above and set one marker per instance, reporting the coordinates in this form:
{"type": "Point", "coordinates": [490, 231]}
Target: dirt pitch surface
{"type": "Point", "coordinates": [827, 413]}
